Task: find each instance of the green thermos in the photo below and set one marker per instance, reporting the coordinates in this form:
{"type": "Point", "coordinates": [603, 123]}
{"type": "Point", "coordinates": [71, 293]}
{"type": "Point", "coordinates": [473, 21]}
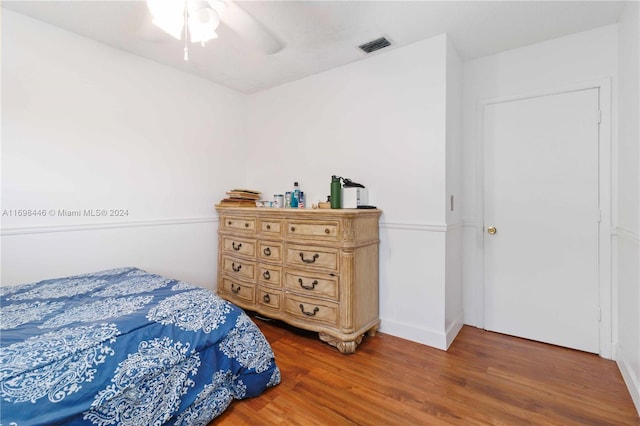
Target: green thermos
{"type": "Point", "coordinates": [336, 192]}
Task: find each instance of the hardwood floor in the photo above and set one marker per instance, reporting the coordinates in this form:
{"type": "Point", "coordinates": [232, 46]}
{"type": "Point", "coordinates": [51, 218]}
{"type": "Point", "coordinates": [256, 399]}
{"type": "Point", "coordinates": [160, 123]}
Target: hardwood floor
{"type": "Point", "coordinates": [483, 379]}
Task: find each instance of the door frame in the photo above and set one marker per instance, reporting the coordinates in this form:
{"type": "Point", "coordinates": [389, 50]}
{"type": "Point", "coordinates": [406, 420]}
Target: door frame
{"type": "Point", "coordinates": [605, 191]}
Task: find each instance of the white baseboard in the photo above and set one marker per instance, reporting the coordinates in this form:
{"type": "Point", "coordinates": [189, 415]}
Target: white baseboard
{"type": "Point", "coordinates": [454, 328]}
{"type": "Point", "coordinates": [632, 381]}
{"type": "Point", "coordinates": [424, 336]}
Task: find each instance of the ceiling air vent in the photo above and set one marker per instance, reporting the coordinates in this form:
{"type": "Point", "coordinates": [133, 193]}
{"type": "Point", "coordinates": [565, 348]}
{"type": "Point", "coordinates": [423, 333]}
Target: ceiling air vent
{"type": "Point", "coordinates": [374, 45]}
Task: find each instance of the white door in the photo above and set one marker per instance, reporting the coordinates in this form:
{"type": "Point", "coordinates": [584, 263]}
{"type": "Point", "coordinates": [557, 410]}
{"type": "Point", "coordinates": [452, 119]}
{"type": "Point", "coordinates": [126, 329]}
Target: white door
{"type": "Point", "coordinates": [541, 196]}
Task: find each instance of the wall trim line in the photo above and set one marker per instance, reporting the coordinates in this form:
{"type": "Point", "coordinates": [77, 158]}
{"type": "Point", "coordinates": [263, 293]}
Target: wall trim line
{"type": "Point", "coordinates": [425, 227]}
{"type": "Point", "coordinates": [405, 226]}
{"type": "Point", "coordinates": [107, 225]}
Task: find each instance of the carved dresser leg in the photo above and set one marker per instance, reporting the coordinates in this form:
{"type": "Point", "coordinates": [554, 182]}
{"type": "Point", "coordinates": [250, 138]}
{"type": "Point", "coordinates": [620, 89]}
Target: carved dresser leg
{"type": "Point", "coordinates": [345, 347]}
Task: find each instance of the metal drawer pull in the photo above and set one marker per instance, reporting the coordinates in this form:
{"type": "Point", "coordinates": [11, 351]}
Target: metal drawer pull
{"type": "Point", "coordinates": [309, 314]}
{"type": "Point", "coordinates": [235, 288]}
{"type": "Point", "coordinates": [266, 275]}
{"type": "Point", "coordinates": [326, 231]}
{"type": "Point", "coordinates": [233, 266]}
{"type": "Point", "coordinates": [236, 248]}
{"type": "Point", "coordinates": [267, 251]}
{"type": "Point", "coordinates": [315, 256]}
{"type": "Point", "coordinates": [307, 287]}
{"type": "Point", "coordinates": [266, 298]}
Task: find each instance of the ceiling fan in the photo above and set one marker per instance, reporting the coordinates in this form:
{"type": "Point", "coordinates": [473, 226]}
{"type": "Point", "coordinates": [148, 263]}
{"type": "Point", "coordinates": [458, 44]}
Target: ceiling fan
{"type": "Point", "coordinates": [197, 20]}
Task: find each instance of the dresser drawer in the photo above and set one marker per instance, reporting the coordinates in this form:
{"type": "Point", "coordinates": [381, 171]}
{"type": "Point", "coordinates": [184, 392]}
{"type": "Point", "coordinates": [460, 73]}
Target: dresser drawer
{"type": "Point", "coordinates": [268, 297]}
{"type": "Point", "coordinates": [236, 223]}
{"type": "Point", "coordinates": [303, 283]}
{"type": "Point", "coordinates": [271, 227]}
{"type": "Point", "coordinates": [239, 246]}
{"type": "Point", "coordinates": [311, 310]}
{"type": "Point", "coordinates": [239, 268]}
{"type": "Point", "coordinates": [315, 229]}
{"type": "Point", "coordinates": [314, 257]}
{"type": "Point", "coordinates": [244, 292]}
{"type": "Point", "coordinates": [270, 275]}
{"type": "Point", "coordinates": [270, 251]}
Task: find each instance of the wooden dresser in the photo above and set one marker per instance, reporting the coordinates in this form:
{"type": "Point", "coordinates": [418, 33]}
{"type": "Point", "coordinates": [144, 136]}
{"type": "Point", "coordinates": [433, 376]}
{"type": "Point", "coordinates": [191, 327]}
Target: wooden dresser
{"type": "Point", "coordinates": [314, 269]}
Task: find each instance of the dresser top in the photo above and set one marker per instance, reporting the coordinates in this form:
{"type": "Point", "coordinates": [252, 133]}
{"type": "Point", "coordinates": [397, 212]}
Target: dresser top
{"type": "Point", "coordinates": [299, 213]}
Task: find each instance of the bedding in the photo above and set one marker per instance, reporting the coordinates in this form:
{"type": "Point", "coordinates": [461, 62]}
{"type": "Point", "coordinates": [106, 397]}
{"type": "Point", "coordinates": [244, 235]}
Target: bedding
{"type": "Point", "coordinates": [125, 347]}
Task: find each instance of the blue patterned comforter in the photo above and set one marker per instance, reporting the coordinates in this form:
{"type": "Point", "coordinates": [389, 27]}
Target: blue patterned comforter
{"type": "Point", "coordinates": [125, 347]}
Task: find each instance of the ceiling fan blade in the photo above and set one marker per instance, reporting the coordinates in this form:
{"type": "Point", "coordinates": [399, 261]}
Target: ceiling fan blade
{"type": "Point", "coordinates": [252, 31]}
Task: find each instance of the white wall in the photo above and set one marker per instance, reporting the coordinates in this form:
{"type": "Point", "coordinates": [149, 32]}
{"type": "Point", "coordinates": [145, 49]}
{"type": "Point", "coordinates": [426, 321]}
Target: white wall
{"type": "Point", "coordinates": [454, 316]}
{"type": "Point", "coordinates": [557, 64]}
{"type": "Point", "coordinates": [185, 251]}
{"type": "Point", "coordinates": [627, 217]}
{"type": "Point", "coordinates": [379, 121]}
{"type": "Point", "coordinates": [382, 122]}
{"type": "Point", "coordinates": [85, 126]}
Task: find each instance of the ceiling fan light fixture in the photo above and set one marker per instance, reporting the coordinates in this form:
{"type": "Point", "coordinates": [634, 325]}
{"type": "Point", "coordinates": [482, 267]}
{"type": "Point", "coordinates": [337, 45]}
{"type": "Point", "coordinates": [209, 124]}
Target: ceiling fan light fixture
{"type": "Point", "coordinates": [201, 18]}
{"type": "Point", "coordinates": [202, 24]}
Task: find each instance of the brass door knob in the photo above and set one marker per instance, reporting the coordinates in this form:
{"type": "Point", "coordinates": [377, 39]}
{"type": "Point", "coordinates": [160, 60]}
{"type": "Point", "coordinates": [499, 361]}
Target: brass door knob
{"type": "Point", "coordinates": [492, 230]}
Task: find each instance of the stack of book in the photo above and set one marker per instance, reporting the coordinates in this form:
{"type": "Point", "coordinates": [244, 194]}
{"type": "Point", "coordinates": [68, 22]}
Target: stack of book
{"type": "Point", "coordinates": [240, 198]}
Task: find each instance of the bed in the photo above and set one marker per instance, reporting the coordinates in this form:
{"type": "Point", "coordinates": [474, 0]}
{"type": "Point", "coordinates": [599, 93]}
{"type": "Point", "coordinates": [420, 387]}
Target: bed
{"type": "Point", "coordinates": [125, 347]}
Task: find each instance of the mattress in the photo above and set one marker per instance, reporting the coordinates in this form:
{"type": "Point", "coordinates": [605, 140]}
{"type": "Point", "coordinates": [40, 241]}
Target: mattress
{"type": "Point", "coordinates": [125, 347]}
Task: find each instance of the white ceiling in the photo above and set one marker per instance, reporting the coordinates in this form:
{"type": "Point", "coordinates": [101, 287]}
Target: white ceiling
{"type": "Point", "coordinates": [320, 35]}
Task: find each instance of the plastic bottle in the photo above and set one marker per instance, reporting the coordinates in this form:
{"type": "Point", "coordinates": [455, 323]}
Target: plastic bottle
{"type": "Point", "coordinates": [295, 195]}
{"type": "Point", "coordinates": [336, 192]}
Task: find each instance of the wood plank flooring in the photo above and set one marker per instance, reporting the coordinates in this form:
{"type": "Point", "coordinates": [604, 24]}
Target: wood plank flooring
{"type": "Point", "coordinates": [483, 379]}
